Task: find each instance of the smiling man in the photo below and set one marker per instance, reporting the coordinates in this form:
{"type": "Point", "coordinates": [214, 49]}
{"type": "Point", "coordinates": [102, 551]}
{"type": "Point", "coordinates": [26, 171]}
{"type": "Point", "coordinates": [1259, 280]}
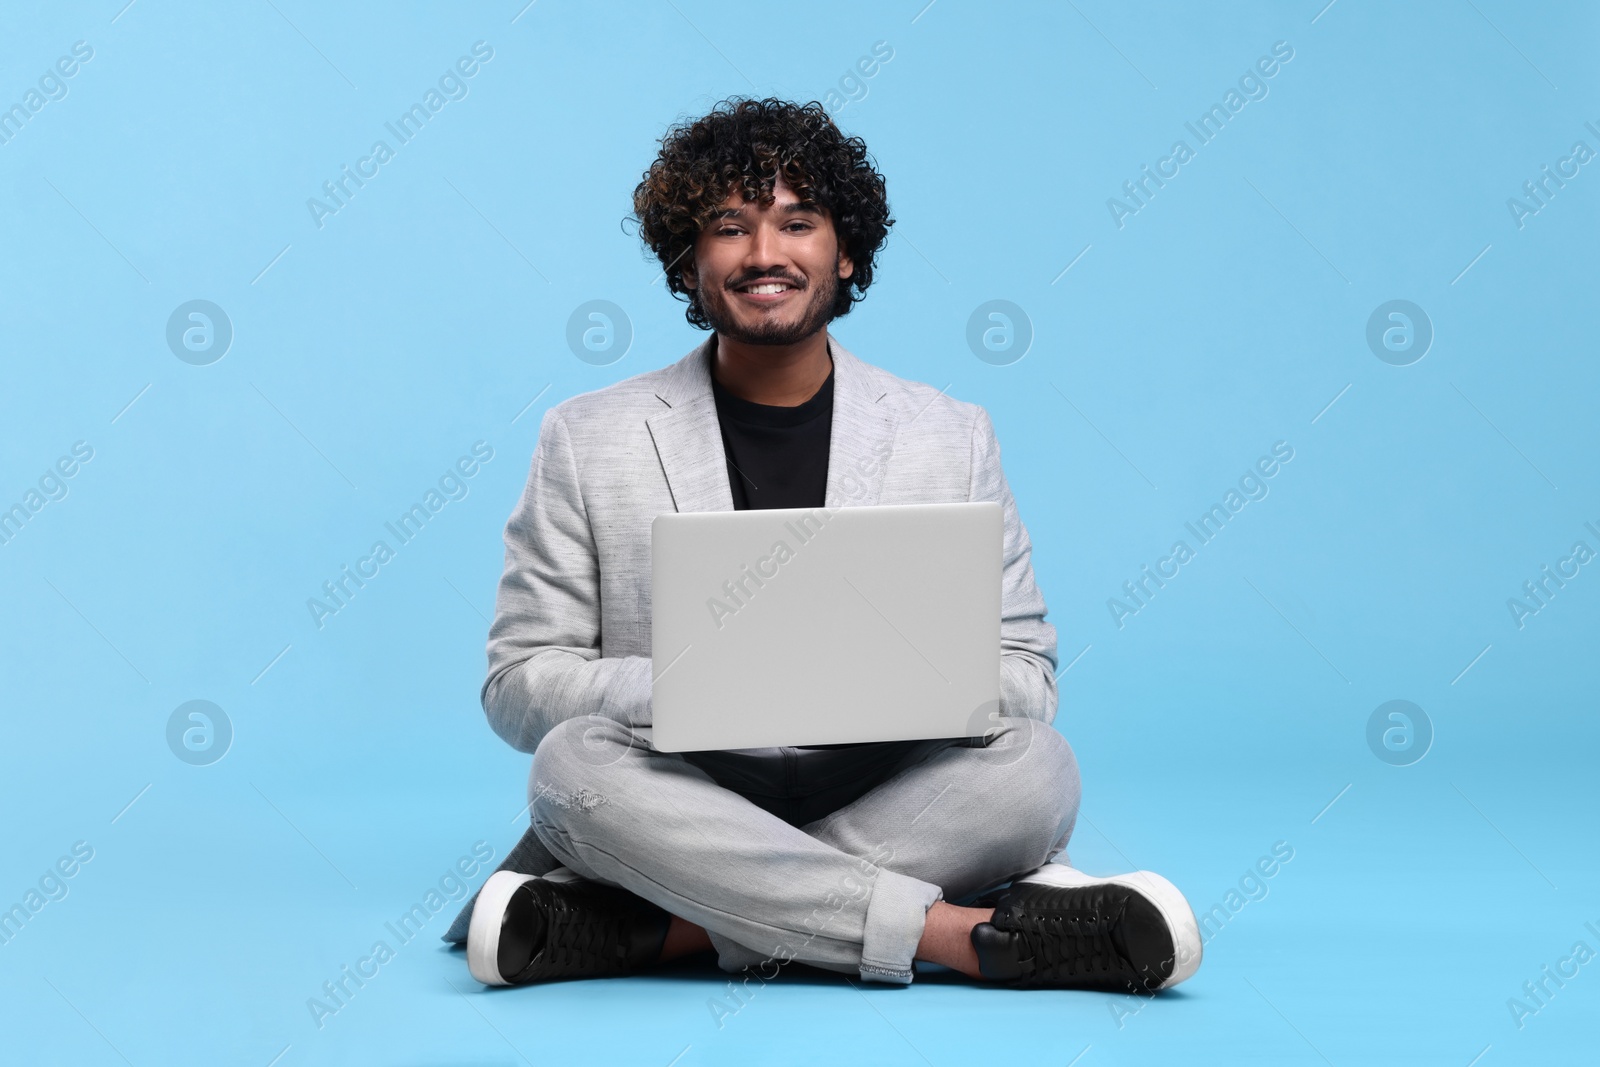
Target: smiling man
{"type": "Point", "coordinates": [860, 858]}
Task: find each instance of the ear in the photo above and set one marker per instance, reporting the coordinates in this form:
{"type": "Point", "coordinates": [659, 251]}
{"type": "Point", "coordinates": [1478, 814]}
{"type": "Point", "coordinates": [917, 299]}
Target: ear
{"type": "Point", "coordinates": [847, 265]}
{"type": "Point", "coordinates": [691, 280]}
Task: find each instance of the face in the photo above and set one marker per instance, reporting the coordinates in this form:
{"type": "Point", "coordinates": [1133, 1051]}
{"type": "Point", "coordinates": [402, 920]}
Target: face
{"type": "Point", "coordinates": [767, 275]}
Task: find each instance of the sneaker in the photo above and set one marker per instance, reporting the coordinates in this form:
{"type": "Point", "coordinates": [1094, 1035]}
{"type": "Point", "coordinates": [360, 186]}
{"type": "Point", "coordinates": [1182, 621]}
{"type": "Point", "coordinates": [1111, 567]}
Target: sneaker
{"type": "Point", "coordinates": [1058, 927]}
{"type": "Point", "coordinates": [530, 929]}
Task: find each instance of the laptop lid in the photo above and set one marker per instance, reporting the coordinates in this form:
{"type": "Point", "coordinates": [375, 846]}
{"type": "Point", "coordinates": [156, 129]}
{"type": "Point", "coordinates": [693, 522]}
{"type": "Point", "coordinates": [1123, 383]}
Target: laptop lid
{"type": "Point", "coordinates": [814, 626]}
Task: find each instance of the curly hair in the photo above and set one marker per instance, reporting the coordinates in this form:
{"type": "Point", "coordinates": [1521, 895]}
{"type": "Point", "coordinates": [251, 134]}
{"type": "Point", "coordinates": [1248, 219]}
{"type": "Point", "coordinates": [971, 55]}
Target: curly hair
{"type": "Point", "coordinates": [745, 145]}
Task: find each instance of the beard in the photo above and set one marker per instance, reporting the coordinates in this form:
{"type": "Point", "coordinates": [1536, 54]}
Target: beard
{"type": "Point", "coordinates": [716, 304]}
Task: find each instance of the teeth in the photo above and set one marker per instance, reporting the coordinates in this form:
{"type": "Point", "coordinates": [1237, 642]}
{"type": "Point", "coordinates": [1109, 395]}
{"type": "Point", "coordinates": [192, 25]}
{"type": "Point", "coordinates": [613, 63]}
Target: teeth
{"type": "Point", "coordinates": [766, 289]}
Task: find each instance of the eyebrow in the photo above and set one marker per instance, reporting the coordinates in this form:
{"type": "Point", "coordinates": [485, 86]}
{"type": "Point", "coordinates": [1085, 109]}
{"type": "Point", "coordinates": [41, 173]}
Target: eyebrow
{"type": "Point", "coordinates": [796, 208]}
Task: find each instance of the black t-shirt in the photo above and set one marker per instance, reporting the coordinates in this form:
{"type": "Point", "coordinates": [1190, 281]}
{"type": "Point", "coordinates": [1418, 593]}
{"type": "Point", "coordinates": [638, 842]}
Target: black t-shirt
{"type": "Point", "coordinates": [777, 456]}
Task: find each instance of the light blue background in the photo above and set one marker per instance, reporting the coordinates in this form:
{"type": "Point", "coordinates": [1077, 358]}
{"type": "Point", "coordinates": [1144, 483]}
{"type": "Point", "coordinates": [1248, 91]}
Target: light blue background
{"type": "Point", "coordinates": [431, 313]}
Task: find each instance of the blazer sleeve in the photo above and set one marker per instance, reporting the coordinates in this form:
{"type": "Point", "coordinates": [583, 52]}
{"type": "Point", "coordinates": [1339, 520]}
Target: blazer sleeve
{"type": "Point", "coordinates": [1027, 641]}
{"type": "Point", "coordinates": [544, 644]}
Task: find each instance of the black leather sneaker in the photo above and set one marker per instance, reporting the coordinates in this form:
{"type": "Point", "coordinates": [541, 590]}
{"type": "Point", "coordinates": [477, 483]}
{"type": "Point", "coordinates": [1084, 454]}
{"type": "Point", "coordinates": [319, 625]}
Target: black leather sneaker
{"type": "Point", "coordinates": [1058, 927]}
{"type": "Point", "coordinates": [528, 929]}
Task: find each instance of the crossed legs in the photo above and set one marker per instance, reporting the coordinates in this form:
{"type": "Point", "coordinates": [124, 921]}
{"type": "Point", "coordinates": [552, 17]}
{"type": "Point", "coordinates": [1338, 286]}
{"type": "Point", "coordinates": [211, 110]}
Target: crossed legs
{"type": "Point", "coordinates": [861, 889]}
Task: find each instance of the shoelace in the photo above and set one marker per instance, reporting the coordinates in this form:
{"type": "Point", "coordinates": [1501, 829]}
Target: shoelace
{"type": "Point", "coordinates": [581, 937]}
{"type": "Point", "coordinates": [1070, 945]}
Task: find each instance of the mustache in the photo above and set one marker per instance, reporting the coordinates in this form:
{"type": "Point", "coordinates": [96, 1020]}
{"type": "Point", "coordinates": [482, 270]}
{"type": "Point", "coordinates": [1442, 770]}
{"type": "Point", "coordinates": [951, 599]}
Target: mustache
{"type": "Point", "coordinates": [766, 277]}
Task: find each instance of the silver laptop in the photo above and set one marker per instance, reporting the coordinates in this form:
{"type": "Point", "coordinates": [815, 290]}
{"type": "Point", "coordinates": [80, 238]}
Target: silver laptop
{"type": "Point", "coordinates": [825, 626]}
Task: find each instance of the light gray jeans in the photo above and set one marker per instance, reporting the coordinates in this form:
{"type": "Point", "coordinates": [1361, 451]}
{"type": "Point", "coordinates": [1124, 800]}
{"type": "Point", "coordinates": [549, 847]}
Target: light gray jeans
{"type": "Point", "coordinates": [827, 855]}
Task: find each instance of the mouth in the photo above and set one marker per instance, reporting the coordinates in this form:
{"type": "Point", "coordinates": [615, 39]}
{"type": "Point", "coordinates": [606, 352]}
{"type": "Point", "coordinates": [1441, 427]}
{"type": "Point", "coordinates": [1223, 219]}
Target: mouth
{"type": "Point", "coordinates": [766, 292]}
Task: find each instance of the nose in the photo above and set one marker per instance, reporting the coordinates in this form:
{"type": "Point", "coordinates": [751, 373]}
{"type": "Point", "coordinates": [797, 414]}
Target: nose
{"type": "Point", "coordinates": [764, 251]}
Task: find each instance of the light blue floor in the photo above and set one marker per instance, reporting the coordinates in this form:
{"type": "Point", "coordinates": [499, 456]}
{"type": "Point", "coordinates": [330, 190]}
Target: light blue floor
{"type": "Point", "coordinates": [177, 908]}
{"type": "Point", "coordinates": [1413, 908]}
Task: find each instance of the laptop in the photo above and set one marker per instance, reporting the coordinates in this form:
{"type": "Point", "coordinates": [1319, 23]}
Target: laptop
{"type": "Point", "coordinates": [817, 626]}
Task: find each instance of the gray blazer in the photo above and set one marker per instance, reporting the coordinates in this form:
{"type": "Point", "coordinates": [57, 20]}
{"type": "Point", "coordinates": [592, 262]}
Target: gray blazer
{"type": "Point", "coordinates": [571, 631]}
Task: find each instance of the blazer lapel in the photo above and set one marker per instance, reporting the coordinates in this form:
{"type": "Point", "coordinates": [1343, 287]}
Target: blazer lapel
{"type": "Point", "coordinates": [688, 438]}
{"type": "Point", "coordinates": [863, 432]}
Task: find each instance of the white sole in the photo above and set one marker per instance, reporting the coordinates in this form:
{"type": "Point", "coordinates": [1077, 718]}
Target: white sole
{"type": "Point", "coordinates": [1172, 905]}
{"type": "Point", "coordinates": [483, 933]}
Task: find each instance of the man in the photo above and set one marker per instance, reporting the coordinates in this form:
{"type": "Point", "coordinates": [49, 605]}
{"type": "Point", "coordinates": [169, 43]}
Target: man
{"type": "Point", "coordinates": [848, 857]}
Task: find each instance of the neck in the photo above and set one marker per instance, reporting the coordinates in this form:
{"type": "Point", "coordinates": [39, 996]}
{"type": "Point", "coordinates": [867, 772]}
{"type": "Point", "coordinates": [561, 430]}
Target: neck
{"type": "Point", "coordinates": [779, 375]}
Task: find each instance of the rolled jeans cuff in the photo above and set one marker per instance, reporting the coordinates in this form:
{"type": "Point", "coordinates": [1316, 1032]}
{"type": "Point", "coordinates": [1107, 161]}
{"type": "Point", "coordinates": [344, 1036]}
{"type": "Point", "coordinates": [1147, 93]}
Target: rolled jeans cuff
{"type": "Point", "coordinates": [896, 915]}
